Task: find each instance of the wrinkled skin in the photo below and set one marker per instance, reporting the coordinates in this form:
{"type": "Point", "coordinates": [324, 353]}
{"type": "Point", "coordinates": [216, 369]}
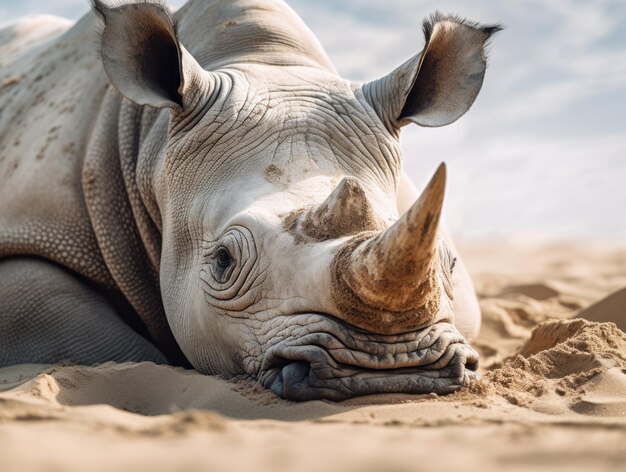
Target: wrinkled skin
{"type": "Point", "coordinates": [263, 195]}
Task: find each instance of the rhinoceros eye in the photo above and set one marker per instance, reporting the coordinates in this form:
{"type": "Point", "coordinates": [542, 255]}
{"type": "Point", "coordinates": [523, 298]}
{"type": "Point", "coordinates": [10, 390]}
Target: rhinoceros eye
{"type": "Point", "coordinates": [223, 258]}
{"type": "Point", "coordinates": [223, 264]}
{"type": "Point", "coordinates": [227, 263]}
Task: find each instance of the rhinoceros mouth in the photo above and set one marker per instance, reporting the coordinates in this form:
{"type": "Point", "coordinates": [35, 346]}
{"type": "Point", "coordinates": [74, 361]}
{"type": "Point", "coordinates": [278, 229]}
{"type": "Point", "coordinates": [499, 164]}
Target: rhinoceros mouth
{"type": "Point", "coordinates": [339, 362]}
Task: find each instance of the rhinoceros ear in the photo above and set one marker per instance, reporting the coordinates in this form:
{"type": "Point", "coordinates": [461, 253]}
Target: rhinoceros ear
{"type": "Point", "coordinates": [437, 86]}
{"type": "Point", "coordinates": [142, 55]}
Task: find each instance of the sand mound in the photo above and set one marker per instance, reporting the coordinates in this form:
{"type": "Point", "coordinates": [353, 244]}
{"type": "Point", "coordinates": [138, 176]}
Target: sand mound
{"type": "Point", "coordinates": [611, 308]}
{"type": "Point", "coordinates": [567, 359]}
{"type": "Point", "coordinates": [536, 291]}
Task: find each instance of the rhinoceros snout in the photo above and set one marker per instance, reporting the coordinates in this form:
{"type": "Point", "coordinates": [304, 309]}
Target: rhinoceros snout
{"type": "Point", "coordinates": [340, 363]}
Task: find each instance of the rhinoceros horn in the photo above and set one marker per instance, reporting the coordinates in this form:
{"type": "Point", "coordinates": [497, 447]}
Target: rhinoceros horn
{"type": "Point", "coordinates": [346, 211]}
{"type": "Point", "coordinates": [386, 283]}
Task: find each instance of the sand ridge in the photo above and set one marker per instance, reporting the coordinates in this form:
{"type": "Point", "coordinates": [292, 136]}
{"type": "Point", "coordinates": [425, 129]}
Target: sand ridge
{"type": "Point", "coordinates": [553, 394]}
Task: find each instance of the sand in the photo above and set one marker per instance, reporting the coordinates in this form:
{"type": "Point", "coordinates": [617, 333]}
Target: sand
{"type": "Point", "coordinates": [553, 394]}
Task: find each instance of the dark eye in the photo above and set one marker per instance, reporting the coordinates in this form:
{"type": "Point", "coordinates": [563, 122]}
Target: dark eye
{"type": "Point", "coordinates": [223, 258]}
{"type": "Point", "coordinates": [227, 262]}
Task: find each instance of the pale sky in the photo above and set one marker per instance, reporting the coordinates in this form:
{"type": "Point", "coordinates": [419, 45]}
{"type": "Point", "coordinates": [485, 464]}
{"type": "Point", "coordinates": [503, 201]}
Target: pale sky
{"type": "Point", "coordinates": [543, 150]}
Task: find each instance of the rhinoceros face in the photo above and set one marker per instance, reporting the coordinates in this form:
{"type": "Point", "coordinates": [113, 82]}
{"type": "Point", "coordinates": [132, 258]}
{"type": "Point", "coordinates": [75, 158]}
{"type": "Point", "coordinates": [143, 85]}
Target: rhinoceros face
{"type": "Point", "coordinates": [283, 258]}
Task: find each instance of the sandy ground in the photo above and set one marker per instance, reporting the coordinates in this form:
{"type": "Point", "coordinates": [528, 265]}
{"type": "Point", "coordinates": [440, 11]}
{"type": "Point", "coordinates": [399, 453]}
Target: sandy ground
{"type": "Point", "coordinates": [553, 394]}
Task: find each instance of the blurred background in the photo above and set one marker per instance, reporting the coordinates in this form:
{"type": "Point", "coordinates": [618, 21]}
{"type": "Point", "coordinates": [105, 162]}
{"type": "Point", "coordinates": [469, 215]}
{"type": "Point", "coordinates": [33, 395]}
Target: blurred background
{"type": "Point", "coordinates": [542, 153]}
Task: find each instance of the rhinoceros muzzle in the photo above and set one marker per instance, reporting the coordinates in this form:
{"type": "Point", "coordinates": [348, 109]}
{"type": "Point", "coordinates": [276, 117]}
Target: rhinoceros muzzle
{"type": "Point", "coordinates": [387, 332]}
{"type": "Point", "coordinates": [338, 361]}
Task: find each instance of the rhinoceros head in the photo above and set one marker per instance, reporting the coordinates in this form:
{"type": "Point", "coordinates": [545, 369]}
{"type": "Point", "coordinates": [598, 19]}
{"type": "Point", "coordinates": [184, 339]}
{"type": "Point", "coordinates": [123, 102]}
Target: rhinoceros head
{"type": "Point", "coordinates": [283, 255]}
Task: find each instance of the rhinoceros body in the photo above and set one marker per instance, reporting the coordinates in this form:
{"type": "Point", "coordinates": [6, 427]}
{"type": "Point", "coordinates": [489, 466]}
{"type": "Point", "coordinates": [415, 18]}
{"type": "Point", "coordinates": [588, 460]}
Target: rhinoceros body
{"type": "Point", "coordinates": [238, 207]}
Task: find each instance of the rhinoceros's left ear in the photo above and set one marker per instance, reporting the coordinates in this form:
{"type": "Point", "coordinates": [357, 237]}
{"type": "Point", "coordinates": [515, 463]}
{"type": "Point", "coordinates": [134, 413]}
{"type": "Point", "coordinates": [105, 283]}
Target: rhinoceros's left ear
{"type": "Point", "coordinates": [437, 86]}
{"type": "Point", "coordinates": [143, 56]}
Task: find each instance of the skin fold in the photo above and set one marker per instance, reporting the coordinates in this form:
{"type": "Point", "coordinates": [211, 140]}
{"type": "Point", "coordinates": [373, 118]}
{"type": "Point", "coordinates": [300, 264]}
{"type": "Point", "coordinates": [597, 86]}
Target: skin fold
{"type": "Point", "coordinates": [208, 192]}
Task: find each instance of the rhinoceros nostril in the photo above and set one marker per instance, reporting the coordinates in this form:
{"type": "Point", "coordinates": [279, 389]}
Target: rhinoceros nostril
{"type": "Point", "coordinates": [296, 372]}
{"type": "Point", "coordinates": [291, 382]}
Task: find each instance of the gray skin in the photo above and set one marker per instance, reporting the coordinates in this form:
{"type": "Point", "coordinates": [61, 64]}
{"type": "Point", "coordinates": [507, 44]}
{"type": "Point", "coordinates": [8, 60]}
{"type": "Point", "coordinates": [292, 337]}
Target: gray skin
{"type": "Point", "coordinates": [231, 204]}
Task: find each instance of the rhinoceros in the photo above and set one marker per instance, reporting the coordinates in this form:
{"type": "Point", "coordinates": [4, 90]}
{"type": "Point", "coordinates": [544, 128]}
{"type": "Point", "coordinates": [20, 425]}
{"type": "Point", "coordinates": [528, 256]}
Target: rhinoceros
{"type": "Point", "coordinates": [202, 189]}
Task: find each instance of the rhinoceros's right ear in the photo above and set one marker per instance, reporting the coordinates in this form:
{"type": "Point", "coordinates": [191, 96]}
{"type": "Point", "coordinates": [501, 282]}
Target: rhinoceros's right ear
{"type": "Point", "coordinates": [142, 55]}
{"type": "Point", "coordinates": [438, 85]}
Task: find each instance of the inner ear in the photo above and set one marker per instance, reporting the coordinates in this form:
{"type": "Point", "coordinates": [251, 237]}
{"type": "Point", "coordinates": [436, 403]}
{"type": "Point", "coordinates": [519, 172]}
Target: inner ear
{"type": "Point", "coordinates": [423, 91]}
{"type": "Point", "coordinates": [160, 65]}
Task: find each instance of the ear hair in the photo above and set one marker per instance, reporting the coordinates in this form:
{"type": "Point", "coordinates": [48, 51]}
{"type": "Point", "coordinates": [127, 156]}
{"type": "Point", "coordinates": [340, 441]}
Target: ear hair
{"type": "Point", "coordinates": [437, 16]}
